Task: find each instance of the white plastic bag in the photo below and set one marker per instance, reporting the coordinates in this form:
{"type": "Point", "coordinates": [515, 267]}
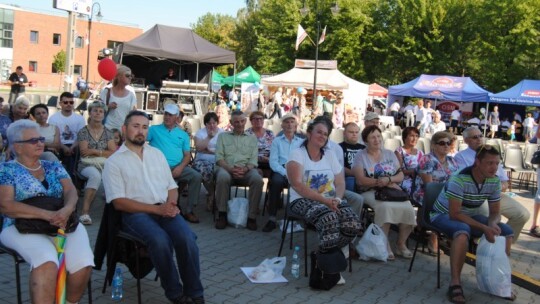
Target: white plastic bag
{"type": "Point", "coordinates": [237, 213]}
{"type": "Point", "coordinates": [296, 228]}
{"type": "Point", "coordinates": [373, 244]}
{"type": "Point", "coordinates": [269, 269]}
{"type": "Point", "coordinates": [493, 271]}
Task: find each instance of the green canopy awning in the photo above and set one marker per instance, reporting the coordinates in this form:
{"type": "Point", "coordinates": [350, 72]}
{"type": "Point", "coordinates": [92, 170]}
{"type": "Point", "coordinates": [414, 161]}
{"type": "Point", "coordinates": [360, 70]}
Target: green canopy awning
{"type": "Point", "coordinates": [217, 77]}
{"type": "Point", "coordinates": [247, 75]}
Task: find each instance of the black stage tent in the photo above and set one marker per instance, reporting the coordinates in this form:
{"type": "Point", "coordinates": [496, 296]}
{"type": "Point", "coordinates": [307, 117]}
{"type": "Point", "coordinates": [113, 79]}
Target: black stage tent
{"type": "Point", "coordinates": [161, 47]}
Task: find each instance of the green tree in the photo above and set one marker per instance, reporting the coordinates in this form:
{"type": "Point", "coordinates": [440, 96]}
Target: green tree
{"type": "Point", "coordinates": [217, 28]}
{"type": "Point", "coordinates": [59, 64]}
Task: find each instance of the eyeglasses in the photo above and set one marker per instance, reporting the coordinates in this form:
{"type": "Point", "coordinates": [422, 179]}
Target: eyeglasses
{"type": "Point", "coordinates": [32, 141]}
{"type": "Point", "coordinates": [477, 136]}
{"type": "Point", "coordinates": [128, 75]}
{"type": "Point", "coordinates": [68, 102]}
{"type": "Point", "coordinates": [442, 143]}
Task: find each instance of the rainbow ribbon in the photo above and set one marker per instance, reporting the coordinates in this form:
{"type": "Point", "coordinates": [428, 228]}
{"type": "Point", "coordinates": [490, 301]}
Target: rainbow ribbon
{"type": "Point", "coordinates": [60, 242]}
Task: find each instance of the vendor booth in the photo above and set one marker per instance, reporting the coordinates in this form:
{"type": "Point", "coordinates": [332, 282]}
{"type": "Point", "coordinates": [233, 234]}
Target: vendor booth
{"type": "Point", "coordinates": [190, 56]}
{"type": "Point", "coordinates": [447, 89]}
{"type": "Point", "coordinates": [248, 75]}
{"type": "Point", "coordinates": [329, 77]}
{"type": "Point", "coordinates": [525, 93]}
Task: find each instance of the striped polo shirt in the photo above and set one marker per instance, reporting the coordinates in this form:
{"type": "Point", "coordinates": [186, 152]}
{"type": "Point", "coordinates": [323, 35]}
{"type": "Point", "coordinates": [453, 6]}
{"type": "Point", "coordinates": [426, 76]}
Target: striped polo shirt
{"type": "Point", "coordinates": [465, 189]}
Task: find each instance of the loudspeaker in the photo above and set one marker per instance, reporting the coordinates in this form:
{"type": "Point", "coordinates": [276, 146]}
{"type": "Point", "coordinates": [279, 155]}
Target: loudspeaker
{"type": "Point", "coordinates": [152, 101]}
{"type": "Point", "coordinates": [140, 100]}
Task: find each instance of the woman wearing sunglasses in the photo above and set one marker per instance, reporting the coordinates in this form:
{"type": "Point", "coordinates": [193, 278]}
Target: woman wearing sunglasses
{"type": "Point", "coordinates": [118, 98]}
{"type": "Point", "coordinates": [95, 144]}
{"type": "Point", "coordinates": [436, 167]}
{"type": "Point", "coordinates": [25, 177]}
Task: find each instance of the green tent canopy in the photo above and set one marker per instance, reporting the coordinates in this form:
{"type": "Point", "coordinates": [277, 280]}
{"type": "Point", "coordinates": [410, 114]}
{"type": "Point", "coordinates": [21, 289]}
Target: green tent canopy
{"type": "Point", "coordinates": [247, 75]}
{"type": "Point", "coordinates": [216, 77]}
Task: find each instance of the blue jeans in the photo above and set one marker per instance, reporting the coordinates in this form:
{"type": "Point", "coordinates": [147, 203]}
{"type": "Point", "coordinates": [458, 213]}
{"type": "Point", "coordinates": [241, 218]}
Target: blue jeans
{"type": "Point", "coordinates": [453, 228]}
{"type": "Point", "coordinates": [161, 235]}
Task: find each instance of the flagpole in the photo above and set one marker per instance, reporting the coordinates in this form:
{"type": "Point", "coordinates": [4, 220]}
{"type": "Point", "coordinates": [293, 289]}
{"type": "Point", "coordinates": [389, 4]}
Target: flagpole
{"type": "Point", "coordinates": [314, 100]}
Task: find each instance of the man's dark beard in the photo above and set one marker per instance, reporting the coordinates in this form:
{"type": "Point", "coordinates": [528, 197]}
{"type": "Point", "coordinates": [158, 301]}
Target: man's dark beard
{"type": "Point", "coordinates": [136, 142]}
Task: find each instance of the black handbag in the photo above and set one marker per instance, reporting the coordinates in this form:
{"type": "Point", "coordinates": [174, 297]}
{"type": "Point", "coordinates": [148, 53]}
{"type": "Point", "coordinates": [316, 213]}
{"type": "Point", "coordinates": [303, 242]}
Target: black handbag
{"type": "Point", "coordinates": [320, 280]}
{"type": "Point", "coordinates": [390, 194]}
{"type": "Point", "coordinates": [40, 226]}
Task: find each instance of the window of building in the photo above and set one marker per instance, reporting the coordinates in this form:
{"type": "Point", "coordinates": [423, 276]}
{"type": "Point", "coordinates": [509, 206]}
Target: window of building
{"type": "Point", "coordinates": [32, 66]}
{"type": "Point", "coordinates": [79, 42]}
{"type": "Point", "coordinates": [6, 28]}
{"type": "Point", "coordinates": [53, 69]}
{"type": "Point", "coordinates": [34, 36]}
{"type": "Point", "coordinates": [77, 69]}
{"type": "Point", "coordinates": [112, 44]}
{"type": "Point", "coordinates": [56, 39]}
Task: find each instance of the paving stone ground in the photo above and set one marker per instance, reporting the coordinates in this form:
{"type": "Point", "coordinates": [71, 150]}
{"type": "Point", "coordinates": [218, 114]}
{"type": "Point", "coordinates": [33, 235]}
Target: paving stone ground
{"type": "Point", "coordinates": [223, 252]}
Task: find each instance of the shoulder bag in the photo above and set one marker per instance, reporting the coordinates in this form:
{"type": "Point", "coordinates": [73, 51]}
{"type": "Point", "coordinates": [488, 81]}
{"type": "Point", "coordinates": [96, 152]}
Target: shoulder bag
{"type": "Point", "coordinates": [390, 194]}
{"type": "Point", "coordinates": [535, 160]}
{"type": "Point", "coordinates": [40, 226]}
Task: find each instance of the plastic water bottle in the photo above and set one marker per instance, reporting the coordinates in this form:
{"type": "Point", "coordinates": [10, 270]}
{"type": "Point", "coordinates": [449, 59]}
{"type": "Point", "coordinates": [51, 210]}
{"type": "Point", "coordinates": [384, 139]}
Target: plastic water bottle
{"type": "Point", "coordinates": [295, 263]}
{"type": "Point", "coordinates": [117, 285]}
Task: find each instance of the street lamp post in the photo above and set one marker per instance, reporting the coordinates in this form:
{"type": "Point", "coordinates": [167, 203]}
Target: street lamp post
{"type": "Point", "coordinates": [98, 17]}
{"type": "Point", "coordinates": [304, 11]}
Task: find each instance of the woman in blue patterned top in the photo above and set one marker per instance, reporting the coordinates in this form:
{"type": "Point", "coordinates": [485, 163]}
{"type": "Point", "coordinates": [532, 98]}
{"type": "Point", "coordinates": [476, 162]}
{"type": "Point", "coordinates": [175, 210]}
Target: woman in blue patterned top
{"type": "Point", "coordinates": [436, 167]}
{"type": "Point", "coordinates": [25, 177]}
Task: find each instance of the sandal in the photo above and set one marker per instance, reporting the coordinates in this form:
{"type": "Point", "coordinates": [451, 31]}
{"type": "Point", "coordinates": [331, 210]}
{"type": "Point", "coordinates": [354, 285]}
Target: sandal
{"type": "Point", "coordinates": [454, 293]}
{"type": "Point", "coordinates": [85, 219]}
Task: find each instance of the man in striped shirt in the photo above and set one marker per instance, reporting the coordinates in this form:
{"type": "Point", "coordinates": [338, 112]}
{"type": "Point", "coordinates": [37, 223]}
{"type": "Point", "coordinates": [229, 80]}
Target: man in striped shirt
{"type": "Point", "coordinates": [456, 212]}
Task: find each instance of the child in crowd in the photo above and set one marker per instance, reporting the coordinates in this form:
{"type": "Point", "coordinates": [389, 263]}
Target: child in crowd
{"type": "Point", "coordinates": [512, 131]}
{"type": "Point", "coordinates": [118, 140]}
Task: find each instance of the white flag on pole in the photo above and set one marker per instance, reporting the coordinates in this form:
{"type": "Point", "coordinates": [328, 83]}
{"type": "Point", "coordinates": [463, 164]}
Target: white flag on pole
{"type": "Point", "coordinates": [300, 36]}
{"type": "Point", "coordinates": [323, 35]}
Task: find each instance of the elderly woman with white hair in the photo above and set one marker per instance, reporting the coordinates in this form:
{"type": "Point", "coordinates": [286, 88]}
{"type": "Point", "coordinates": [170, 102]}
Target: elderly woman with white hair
{"type": "Point", "coordinates": [26, 177]}
{"type": "Point", "coordinates": [19, 109]}
{"type": "Point", "coordinates": [96, 143]}
{"type": "Point", "coordinates": [119, 98]}
{"type": "Point", "coordinates": [436, 125]}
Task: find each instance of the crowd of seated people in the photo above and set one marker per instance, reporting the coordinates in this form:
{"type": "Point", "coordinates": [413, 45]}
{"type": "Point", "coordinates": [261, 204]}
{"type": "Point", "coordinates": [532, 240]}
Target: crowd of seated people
{"type": "Point", "coordinates": [328, 182]}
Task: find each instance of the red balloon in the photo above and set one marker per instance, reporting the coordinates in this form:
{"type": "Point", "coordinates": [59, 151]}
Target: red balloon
{"type": "Point", "coordinates": [107, 69]}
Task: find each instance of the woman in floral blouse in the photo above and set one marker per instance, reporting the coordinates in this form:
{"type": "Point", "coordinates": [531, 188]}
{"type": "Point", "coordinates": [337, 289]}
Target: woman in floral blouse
{"type": "Point", "coordinates": [265, 138]}
{"type": "Point", "coordinates": [436, 167]}
{"type": "Point", "coordinates": [409, 157]}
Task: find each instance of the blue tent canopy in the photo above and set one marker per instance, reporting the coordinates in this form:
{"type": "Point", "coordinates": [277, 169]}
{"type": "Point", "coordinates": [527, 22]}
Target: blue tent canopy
{"type": "Point", "coordinates": [441, 87]}
{"type": "Point", "coordinates": [525, 93]}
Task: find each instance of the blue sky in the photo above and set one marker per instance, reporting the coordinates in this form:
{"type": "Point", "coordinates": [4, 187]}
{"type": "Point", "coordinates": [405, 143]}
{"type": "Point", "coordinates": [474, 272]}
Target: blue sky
{"type": "Point", "coordinates": [144, 13]}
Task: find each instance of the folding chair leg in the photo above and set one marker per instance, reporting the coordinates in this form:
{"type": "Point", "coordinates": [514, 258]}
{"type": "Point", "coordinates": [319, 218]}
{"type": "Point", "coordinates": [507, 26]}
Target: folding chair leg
{"type": "Point", "coordinates": [137, 261]}
{"type": "Point", "coordinates": [415, 251]}
{"type": "Point", "coordinates": [305, 249]}
{"type": "Point", "coordinates": [283, 234]}
{"type": "Point", "coordinates": [18, 279]}
{"type": "Point", "coordinates": [89, 287]}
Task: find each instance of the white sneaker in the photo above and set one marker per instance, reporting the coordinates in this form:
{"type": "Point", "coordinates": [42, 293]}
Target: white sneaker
{"type": "Point", "coordinates": [85, 219]}
{"type": "Point", "coordinates": [341, 280]}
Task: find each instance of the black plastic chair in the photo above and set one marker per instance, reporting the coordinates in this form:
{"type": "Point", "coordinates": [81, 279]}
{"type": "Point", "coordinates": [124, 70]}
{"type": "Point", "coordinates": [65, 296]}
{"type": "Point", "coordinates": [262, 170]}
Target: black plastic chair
{"type": "Point", "coordinates": [120, 238]}
{"type": "Point", "coordinates": [424, 221]}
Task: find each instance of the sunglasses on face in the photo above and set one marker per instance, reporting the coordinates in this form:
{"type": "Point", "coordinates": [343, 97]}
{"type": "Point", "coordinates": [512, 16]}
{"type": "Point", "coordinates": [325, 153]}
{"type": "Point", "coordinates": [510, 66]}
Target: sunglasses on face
{"type": "Point", "coordinates": [32, 141]}
{"type": "Point", "coordinates": [68, 102]}
{"type": "Point", "coordinates": [443, 143]}
{"type": "Point", "coordinates": [477, 136]}
{"type": "Point", "coordinates": [128, 75]}
{"type": "Point", "coordinates": [484, 147]}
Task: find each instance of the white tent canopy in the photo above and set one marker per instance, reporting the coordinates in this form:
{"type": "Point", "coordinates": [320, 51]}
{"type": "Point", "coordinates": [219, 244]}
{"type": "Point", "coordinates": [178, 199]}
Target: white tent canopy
{"type": "Point", "coordinates": [298, 77]}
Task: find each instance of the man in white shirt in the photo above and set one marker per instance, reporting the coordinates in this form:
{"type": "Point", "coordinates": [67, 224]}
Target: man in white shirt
{"type": "Point", "coordinates": [454, 120]}
{"type": "Point", "coordinates": [516, 214]}
{"type": "Point", "coordinates": [437, 124]}
{"type": "Point", "coordinates": [528, 125]}
{"type": "Point", "coordinates": [419, 113]}
{"type": "Point", "coordinates": [409, 115]}
{"type": "Point", "coordinates": [69, 124]}
{"type": "Point", "coordinates": [139, 183]}
{"type": "Point", "coordinates": [394, 111]}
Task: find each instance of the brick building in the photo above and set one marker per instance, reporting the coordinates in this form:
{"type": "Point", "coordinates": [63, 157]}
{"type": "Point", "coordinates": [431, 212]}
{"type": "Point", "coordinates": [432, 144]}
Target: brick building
{"type": "Point", "coordinates": [32, 39]}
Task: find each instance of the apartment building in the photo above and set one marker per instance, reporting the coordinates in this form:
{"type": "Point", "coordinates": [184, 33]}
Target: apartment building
{"type": "Point", "coordinates": [31, 39]}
